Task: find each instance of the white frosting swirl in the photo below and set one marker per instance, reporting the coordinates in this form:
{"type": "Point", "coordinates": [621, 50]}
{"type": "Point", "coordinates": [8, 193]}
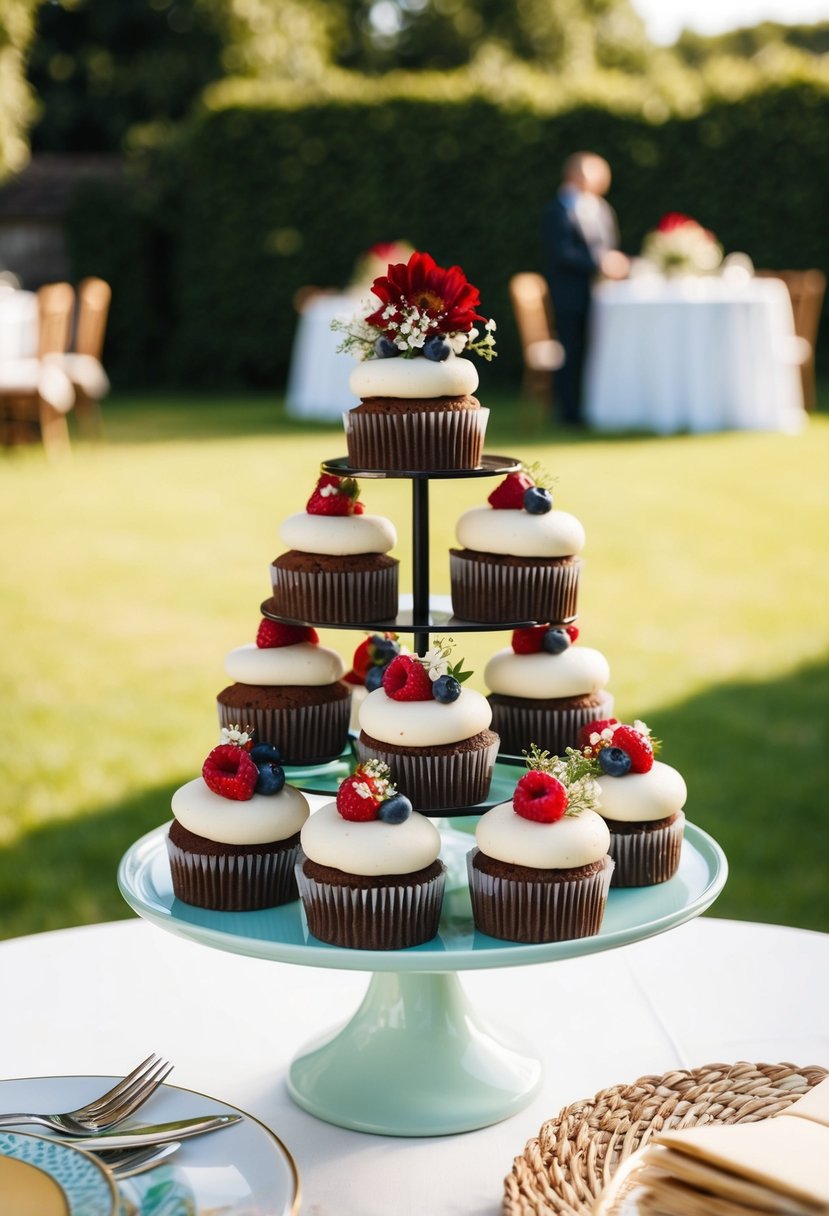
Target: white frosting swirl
{"type": "Point", "coordinates": [302, 663]}
{"type": "Point", "coordinates": [338, 535]}
{"type": "Point", "coordinates": [417, 377]}
{"type": "Point", "coordinates": [642, 797]}
{"type": "Point", "coordinates": [259, 820]}
{"type": "Point", "coordinates": [520, 534]}
{"type": "Point", "coordinates": [575, 840]}
{"type": "Point", "coordinates": [370, 848]}
{"type": "Point", "coordinates": [424, 723]}
{"type": "Point", "coordinates": [576, 672]}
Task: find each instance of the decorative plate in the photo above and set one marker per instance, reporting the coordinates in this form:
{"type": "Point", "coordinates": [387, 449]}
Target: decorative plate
{"type": "Point", "coordinates": [85, 1188]}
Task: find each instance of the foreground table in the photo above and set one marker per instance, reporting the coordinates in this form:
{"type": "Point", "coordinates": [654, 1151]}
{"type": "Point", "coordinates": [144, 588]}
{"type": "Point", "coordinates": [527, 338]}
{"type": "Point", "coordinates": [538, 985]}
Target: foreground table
{"type": "Point", "coordinates": [94, 999]}
{"type": "Point", "coordinates": [693, 354]}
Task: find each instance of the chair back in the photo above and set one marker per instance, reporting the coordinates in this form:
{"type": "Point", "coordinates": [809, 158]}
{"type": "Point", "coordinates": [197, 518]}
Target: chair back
{"type": "Point", "coordinates": [530, 297]}
{"type": "Point", "coordinates": [55, 302]}
{"type": "Point", "coordinates": [94, 297]}
{"type": "Point", "coordinates": [807, 289]}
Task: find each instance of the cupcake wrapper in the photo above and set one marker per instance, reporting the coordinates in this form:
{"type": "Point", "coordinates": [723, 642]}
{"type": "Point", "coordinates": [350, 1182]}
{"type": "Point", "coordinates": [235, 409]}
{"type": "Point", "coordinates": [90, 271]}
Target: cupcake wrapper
{"type": "Point", "coordinates": [438, 782]}
{"type": "Point", "coordinates": [517, 911]}
{"type": "Point", "coordinates": [644, 859]}
{"type": "Point", "coordinates": [418, 440]}
{"type": "Point", "coordinates": [552, 729]}
{"type": "Point", "coordinates": [490, 593]}
{"type": "Point", "coordinates": [306, 734]}
{"type": "Point", "coordinates": [336, 597]}
{"type": "Point", "coordinates": [372, 918]}
{"type": "Point", "coordinates": [238, 882]}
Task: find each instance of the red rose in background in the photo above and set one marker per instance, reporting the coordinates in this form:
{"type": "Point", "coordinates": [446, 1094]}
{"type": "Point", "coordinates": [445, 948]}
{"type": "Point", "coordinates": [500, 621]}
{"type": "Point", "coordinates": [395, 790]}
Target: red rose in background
{"type": "Point", "coordinates": [673, 220]}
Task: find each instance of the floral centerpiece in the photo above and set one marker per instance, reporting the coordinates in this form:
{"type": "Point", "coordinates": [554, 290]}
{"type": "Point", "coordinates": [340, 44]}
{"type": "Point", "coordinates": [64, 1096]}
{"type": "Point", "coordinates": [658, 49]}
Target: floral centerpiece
{"type": "Point", "coordinates": [418, 308]}
{"type": "Point", "coordinates": [680, 245]}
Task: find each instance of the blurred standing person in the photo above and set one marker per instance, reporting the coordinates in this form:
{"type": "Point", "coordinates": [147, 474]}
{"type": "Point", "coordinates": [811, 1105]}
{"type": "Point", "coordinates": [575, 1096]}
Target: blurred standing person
{"type": "Point", "coordinates": [581, 240]}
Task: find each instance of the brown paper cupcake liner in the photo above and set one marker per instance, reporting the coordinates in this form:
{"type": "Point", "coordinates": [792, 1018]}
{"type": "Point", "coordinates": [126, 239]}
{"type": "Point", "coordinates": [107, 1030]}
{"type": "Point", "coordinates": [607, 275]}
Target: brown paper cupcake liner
{"type": "Point", "coordinates": [336, 597]}
{"type": "Point", "coordinates": [391, 917]}
{"type": "Point", "coordinates": [417, 440]}
{"type": "Point", "coordinates": [438, 782]}
{"type": "Point", "coordinates": [490, 593]}
{"type": "Point", "coordinates": [234, 882]}
{"type": "Point", "coordinates": [646, 858]}
{"type": "Point", "coordinates": [552, 730]}
{"type": "Point", "coordinates": [519, 911]}
{"type": "Point", "coordinates": [306, 734]}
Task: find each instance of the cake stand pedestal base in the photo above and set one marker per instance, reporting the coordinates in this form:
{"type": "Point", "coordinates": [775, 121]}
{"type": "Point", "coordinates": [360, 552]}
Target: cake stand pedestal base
{"type": "Point", "coordinates": [414, 1060]}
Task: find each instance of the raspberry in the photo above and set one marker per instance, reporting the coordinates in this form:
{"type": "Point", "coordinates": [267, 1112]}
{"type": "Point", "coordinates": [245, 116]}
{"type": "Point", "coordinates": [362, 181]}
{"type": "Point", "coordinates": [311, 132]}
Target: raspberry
{"type": "Point", "coordinates": [357, 798]}
{"type": "Point", "coordinates": [572, 631]}
{"type": "Point", "coordinates": [595, 728]}
{"type": "Point", "coordinates": [272, 633]}
{"type": "Point", "coordinates": [637, 746]}
{"type": "Point", "coordinates": [528, 641]}
{"type": "Point", "coordinates": [406, 679]}
{"type": "Point", "coordinates": [360, 663]}
{"type": "Point", "coordinates": [334, 496]}
{"type": "Point", "coordinates": [230, 772]}
{"type": "Point", "coordinates": [540, 796]}
{"type": "Point", "coordinates": [509, 494]}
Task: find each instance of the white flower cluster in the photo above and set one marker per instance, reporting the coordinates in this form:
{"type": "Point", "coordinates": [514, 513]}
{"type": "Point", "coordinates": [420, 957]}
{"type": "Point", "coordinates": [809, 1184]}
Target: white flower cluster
{"type": "Point", "coordinates": [409, 334]}
{"type": "Point", "coordinates": [380, 775]}
{"type": "Point", "coordinates": [436, 660]}
{"type": "Point", "coordinates": [235, 734]}
{"type": "Point", "coordinates": [689, 247]}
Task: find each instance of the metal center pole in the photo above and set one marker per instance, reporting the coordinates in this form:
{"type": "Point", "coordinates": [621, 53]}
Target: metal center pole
{"type": "Point", "coordinates": [420, 562]}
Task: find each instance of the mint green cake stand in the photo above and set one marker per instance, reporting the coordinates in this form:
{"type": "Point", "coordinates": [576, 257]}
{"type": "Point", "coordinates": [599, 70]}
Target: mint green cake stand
{"type": "Point", "coordinates": [417, 1059]}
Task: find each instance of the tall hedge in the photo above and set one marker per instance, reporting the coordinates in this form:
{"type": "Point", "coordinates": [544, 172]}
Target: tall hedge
{"type": "Point", "coordinates": [262, 195]}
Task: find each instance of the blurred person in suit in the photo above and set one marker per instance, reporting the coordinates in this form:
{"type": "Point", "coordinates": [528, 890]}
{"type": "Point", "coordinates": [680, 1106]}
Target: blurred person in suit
{"type": "Point", "coordinates": [581, 241]}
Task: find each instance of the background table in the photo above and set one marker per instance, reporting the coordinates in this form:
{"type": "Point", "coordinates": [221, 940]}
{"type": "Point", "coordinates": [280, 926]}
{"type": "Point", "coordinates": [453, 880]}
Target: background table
{"type": "Point", "coordinates": [18, 324]}
{"type": "Point", "coordinates": [695, 354]}
{"type": "Point", "coordinates": [96, 999]}
{"type": "Point", "coordinates": [318, 377]}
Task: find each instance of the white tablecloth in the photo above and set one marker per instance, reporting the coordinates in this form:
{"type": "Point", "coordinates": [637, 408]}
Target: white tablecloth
{"type": "Point", "coordinates": [693, 354]}
{"type": "Point", "coordinates": [18, 324]}
{"type": "Point", "coordinates": [318, 376]}
{"type": "Point", "coordinates": [96, 999]}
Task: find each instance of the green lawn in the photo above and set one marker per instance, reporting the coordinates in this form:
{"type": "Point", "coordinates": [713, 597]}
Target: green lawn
{"type": "Point", "coordinates": [129, 571]}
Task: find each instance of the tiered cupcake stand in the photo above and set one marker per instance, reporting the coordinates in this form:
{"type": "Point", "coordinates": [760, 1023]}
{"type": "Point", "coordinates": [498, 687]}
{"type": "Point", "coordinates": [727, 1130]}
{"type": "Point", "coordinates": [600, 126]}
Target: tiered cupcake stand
{"type": "Point", "coordinates": [417, 1059]}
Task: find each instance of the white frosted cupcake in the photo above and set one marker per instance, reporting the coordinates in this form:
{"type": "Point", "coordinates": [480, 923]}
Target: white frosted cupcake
{"type": "Point", "coordinates": [544, 689]}
{"type": "Point", "coordinates": [641, 800]}
{"type": "Point", "coordinates": [433, 733]}
{"type": "Point", "coordinates": [541, 869]}
{"type": "Point", "coordinates": [519, 559]}
{"type": "Point", "coordinates": [370, 878]}
{"type": "Point", "coordinates": [234, 839]}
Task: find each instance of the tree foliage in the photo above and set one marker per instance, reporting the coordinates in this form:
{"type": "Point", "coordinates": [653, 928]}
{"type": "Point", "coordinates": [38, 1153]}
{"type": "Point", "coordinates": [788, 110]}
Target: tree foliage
{"type": "Point", "coordinates": [17, 105]}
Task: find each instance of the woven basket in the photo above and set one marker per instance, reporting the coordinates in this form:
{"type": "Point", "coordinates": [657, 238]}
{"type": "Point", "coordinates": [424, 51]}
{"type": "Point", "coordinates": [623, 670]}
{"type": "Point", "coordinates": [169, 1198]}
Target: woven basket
{"type": "Point", "coordinates": [575, 1154]}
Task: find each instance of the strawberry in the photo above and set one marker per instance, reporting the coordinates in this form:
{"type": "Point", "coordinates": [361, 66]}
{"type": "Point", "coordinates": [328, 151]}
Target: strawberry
{"type": "Point", "coordinates": [230, 772]}
{"type": "Point", "coordinates": [540, 796]}
{"type": "Point", "coordinates": [637, 746]}
{"type": "Point", "coordinates": [359, 797]}
{"type": "Point", "coordinates": [528, 641]}
{"type": "Point", "coordinates": [334, 496]}
{"type": "Point", "coordinates": [595, 728]}
{"type": "Point", "coordinates": [406, 679]}
{"type": "Point", "coordinates": [508, 495]}
{"type": "Point", "coordinates": [272, 633]}
{"type": "Point", "coordinates": [572, 632]}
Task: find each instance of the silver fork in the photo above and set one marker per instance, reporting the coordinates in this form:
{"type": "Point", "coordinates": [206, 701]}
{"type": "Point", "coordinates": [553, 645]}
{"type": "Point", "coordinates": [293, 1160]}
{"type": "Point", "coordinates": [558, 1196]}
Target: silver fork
{"type": "Point", "coordinates": [107, 1111]}
{"type": "Point", "coordinates": [128, 1162]}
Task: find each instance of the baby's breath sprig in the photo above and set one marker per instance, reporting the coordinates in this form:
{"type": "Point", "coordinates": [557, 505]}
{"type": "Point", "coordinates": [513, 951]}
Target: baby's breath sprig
{"type": "Point", "coordinates": [539, 474]}
{"type": "Point", "coordinates": [436, 661]}
{"type": "Point", "coordinates": [575, 771]}
{"type": "Point", "coordinates": [486, 346]}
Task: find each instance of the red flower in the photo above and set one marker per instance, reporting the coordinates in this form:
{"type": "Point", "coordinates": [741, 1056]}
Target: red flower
{"type": "Point", "coordinates": [444, 296]}
{"type": "Point", "coordinates": [673, 220]}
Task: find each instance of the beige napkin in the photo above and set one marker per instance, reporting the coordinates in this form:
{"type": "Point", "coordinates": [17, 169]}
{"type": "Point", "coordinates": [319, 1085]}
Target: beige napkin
{"type": "Point", "coordinates": [776, 1166]}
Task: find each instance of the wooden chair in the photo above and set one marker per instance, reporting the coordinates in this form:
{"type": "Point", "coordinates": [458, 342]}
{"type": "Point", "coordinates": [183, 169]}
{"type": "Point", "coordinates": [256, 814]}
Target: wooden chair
{"type": "Point", "coordinates": [84, 364]}
{"type": "Point", "coordinates": [542, 353]}
{"type": "Point", "coordinates": [35, 394]}
{"type": "Point", "coordinates": [806, 290]}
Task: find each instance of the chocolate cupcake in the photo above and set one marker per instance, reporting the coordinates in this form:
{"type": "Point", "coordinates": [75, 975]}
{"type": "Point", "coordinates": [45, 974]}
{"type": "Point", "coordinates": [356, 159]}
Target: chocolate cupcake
{"type": "Point", "coordinates": [370, 878]}
{"type": "Point", "coordinates": [545, 689]}
{"type": "Point", "coordinates": [414, 435]}
{"type": "Point", "coordinates": [540, 871]}
{"type": "Point", "coordinates": [234, 839]}
{"type": "Point", "coordinates": [433, 733]}
{"type": "Point", "coordinates": [337, 569]}
{"type": "Point", "coordinates": [641, 800]}
{"type": "Point", "coordinates": [288, 691]}
{"type": "Point", "coordinates": [519, 560]}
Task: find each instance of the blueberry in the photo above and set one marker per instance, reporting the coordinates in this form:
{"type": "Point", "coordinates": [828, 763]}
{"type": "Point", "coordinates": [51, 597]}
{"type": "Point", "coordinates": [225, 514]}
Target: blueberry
{"type": "Point", "coordinates": [271, 779]}
{"type": "Point", "coordinates": [555, 641]}
{"type": "Point", "coordinates": [537, 500]}
{"type": "Point", "coordinates": [446, 689]}
{"type": "Point", "coordinates": [614, 761]}
{"type": "Point", "coordinates": [436, 349]}
{"type": "Point", "coordinates": [384, 348]}
{"type": "Point", "coordinates": [265, 753]}
{"type": "Point", "coordinates": [374, 678]}
{"type": "Point", "coordinates": [383, 649]}
{"type": "Point", "coordinates": [396, 809]}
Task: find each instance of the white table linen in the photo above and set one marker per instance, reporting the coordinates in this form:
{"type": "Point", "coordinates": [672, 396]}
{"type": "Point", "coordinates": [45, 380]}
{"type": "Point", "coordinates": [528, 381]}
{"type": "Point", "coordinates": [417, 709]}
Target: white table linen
{"type": "Point", "coordinates": [693, 354]}
{"type": "Point", "coordinates": [18, 324]}
{"type": "Point", "coordinates": [95, 999]}
{"type": "Point", "coordinates": [318, 376]}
